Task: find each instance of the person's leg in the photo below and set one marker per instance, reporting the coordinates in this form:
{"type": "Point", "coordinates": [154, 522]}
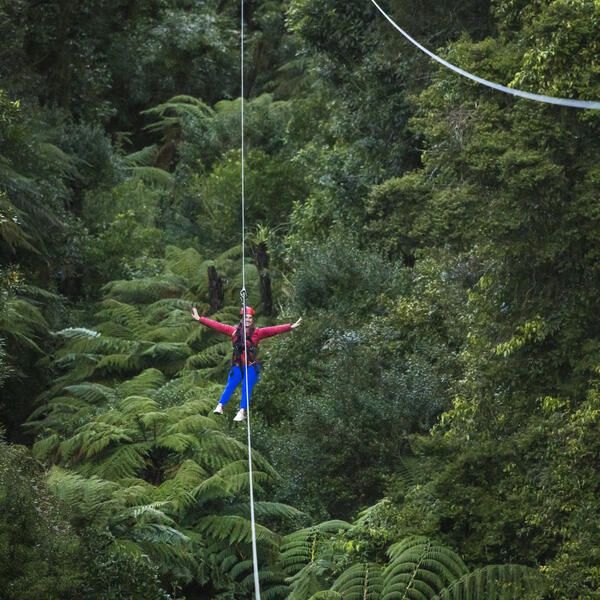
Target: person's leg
{"type": "Point", "coordinates": [253, 375]}
{"type": "Point", "coordinates": [235, 376]}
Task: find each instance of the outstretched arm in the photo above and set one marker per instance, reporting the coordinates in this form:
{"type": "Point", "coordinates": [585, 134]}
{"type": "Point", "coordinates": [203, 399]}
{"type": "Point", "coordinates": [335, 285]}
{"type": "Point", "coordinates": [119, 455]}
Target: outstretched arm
{"type": "Point", "coordinates": [220, 327]}
{"type": "Point", "coordinates": [265, 332]}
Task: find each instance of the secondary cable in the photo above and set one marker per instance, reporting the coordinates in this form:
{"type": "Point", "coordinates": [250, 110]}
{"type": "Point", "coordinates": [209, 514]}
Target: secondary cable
{"type": "Point", "coordinates": [589, 104]}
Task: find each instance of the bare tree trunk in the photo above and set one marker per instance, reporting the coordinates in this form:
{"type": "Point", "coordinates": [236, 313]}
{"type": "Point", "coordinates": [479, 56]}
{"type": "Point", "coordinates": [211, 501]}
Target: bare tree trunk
{"type": "Point", "coordinates": [215, 290]}
{"type": "Point", "coordinates": [264, 279]}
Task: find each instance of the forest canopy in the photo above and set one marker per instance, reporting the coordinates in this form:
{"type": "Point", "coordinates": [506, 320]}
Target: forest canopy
{"type": "Point", "coordinates": [431, 430]}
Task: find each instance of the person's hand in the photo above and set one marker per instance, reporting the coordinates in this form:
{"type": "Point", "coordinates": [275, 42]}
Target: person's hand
{"type": "Point", "coordinates": [195, 314]}
{"type": "Point", "coordinates": [296, 323]}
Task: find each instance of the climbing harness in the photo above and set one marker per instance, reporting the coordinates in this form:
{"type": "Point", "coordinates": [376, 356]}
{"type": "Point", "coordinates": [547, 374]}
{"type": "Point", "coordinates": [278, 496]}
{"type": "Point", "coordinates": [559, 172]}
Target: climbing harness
{"type": "Point", "coordinates": [239, 355]}
{"type": "Point", "coordinates": [243, 295]}
{"type": "Point", "coordinates": [590, 104]}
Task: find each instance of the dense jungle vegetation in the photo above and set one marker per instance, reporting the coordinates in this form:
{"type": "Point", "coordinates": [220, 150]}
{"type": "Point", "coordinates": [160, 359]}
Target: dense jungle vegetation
{"type": "Point", "coordinates": [431, 430]}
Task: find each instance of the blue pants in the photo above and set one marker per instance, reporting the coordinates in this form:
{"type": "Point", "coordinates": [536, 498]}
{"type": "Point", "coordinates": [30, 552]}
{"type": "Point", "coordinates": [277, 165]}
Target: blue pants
{"type": "Point", "coordinates": [236, 375]}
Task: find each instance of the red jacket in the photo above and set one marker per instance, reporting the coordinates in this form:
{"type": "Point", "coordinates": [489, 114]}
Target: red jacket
{"type": "Point", "coordinates": [259, 332]}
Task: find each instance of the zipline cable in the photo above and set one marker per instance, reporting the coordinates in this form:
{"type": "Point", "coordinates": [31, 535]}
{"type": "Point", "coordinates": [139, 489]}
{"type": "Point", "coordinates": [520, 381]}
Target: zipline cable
{"type": "Point", "coordinates": [252, 521]}
{"type": "Point", "coordinates": [243, 294]}
{"type": "Point", "coordinates": [590, 104]}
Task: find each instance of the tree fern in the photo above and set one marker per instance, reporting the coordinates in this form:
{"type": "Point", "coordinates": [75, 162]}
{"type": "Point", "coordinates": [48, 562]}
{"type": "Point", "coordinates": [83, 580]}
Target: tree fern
{"type": "Point", "coordinates": [22, 322]}
{"type": "Point", "coordinates": [326, 595]}
{"type": "Point", "coordinates": [11, 232]}
{"type": "Point", "coordinates": [420, 569]}
{"type": "Point", "coordinates": [89, 496]}
{"type": "Point", "coordinates": [121, 462]}
{"type": "Point", "coordinates": [234, 529]}
{"type": "Point", "coordinates": [131, 417]}
{"type": "Point", "coordinates": [268, 510]}
{"type": "Point", "coordinates": [91, 393]}
{"type": "Point", "coordinates": [153, 177]}
{"type": "Point", "coordinates": [142, 158]}
{"type": "Point", "coordinates": [185, 263]}
{"type": "Point", "coordinates": [144, 290]}
{"type": "Point", "coordinates": [217, 354]}
{"type": "Point", "coordinates": [170, 113]}
{"type": "Point", "coordinates": [125, 314]}
{"type": "Point", "coordinates": [146, 382]}
{"type": "Point", "coordinates": [494, 582]}
{"type": "Point", "coordinates": [311, 579]}
{"type": "Point", "coordinates": [167, 352]}
{"type": "Point", "coordinates": [362, 581]}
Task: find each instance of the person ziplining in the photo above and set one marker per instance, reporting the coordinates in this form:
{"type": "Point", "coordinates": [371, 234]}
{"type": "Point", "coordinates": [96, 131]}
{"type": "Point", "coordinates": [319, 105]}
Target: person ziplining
{"type": "Point", "coordinates": [236, 373]}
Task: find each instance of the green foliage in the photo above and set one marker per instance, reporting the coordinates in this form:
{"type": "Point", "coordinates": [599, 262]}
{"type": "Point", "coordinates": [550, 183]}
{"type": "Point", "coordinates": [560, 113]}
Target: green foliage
{"type": "Point", "coordinates": [45, 556]}
{"type": "Point", "coordinates": [415, 568]}
{"type": "Point", "coordinates": [356, 372]}
{"type": "Point", "coordinates": [137, 455]}
{"type": "Point", "coordinates": [440, 243]}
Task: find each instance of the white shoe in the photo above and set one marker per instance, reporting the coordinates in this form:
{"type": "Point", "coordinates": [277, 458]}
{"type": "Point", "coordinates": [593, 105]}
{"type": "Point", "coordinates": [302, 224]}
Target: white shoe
{"type": "Point", "coordinates": [241, 415]}
{"type": "Point", "coordinates": [219, 409]}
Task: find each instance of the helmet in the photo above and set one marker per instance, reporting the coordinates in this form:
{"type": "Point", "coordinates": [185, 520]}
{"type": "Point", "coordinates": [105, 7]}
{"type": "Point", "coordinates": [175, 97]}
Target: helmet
{"type": "Point", "coordinates": [249, 310]}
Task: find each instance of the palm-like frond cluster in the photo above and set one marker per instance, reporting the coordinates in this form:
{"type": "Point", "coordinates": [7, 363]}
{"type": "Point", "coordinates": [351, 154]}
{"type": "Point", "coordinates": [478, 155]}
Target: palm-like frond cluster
{"type": "Point", "coordinates": [128, 424]}
{"type": "Point", "coordinates": [418, 569]}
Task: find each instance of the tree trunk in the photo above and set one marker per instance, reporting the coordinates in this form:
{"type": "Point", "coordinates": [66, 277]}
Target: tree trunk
{"type": "Point", "coordinates": [215, 290]}
{"type": "Point", "coordinates": [264, 279]}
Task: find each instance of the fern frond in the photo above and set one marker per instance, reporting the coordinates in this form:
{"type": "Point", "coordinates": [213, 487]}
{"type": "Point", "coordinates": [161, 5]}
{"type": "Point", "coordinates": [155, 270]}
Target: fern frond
{"type": "Point", "coordinates": [235, 529]}
{"type": "Point", "coordinates": [178, 442]}
{"type": "Point", "coordinates": [125, 314]}
{"type": "Point", "coordinates": [74, 333]}
{"type": "Point", "coordinates": [91, 393]}
{"type": "Point", "coordinates": [144, 290]}
{"type": "Point", "coordinates": [275, 592]}
{"type": "Point", "coordinates": [362, 581]}
{"type": "Point", "coordinates": [113, 330]}
{"type": "Point", "coordinates": [420, 568]}
{"type": "Point", "coordinates": [97, 346]}
{"type": "Point", "coordinates": [173, 556]}
{"type": "Point", "coordinates": [231, 478]}
{"type": "Point", "coordinates": [59, 405]}
{"type": "Point", "coordinates": [193, 424]}
{"type": "Point", "coordinates": [311, 579]}
{"type": "Point", "coordinates": [150, 514]}
{"type": "Point", "coordinates": [180, 106]}
{"type": "Point", "coordinates": [189, 474]}
{"type": "Point", "coordinates": [137, 405]}
{"type": "Point", "coordinates": [166, 352]}
{"type": "Point", "coordinates": [92, 439]}
{"type": "Point", "coordinates": [58, 157]}
{"type": "Point", "coordinates": [327, 595]}
{"type": "Point", "coordinates": [213, 355]}
{"type": "Point", "coordinates": [133, 492]}
{"type": "Point", "coordinates": [122, 462]}
{"type": "Point", "coordinates": [495, 582]}
{"type": "Point", "coordinates": [146, 382]}
{"type": "Point", "coordinates": [86, 495]}
{"type": "Point", "coordinates": [10, 231]}
{"type": "Point", "coordinates": [268, 510]}
{"type": "Point", "coordinates": [44, 448]}
{"type": "Point", "coordinates": [185, 263]}
{"type": "Point", "coordinates": [117, 363]}
{"type": "Point", "coordinates": [144, 157]}
{"type": "Point", "coordinates": [299, 548]}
